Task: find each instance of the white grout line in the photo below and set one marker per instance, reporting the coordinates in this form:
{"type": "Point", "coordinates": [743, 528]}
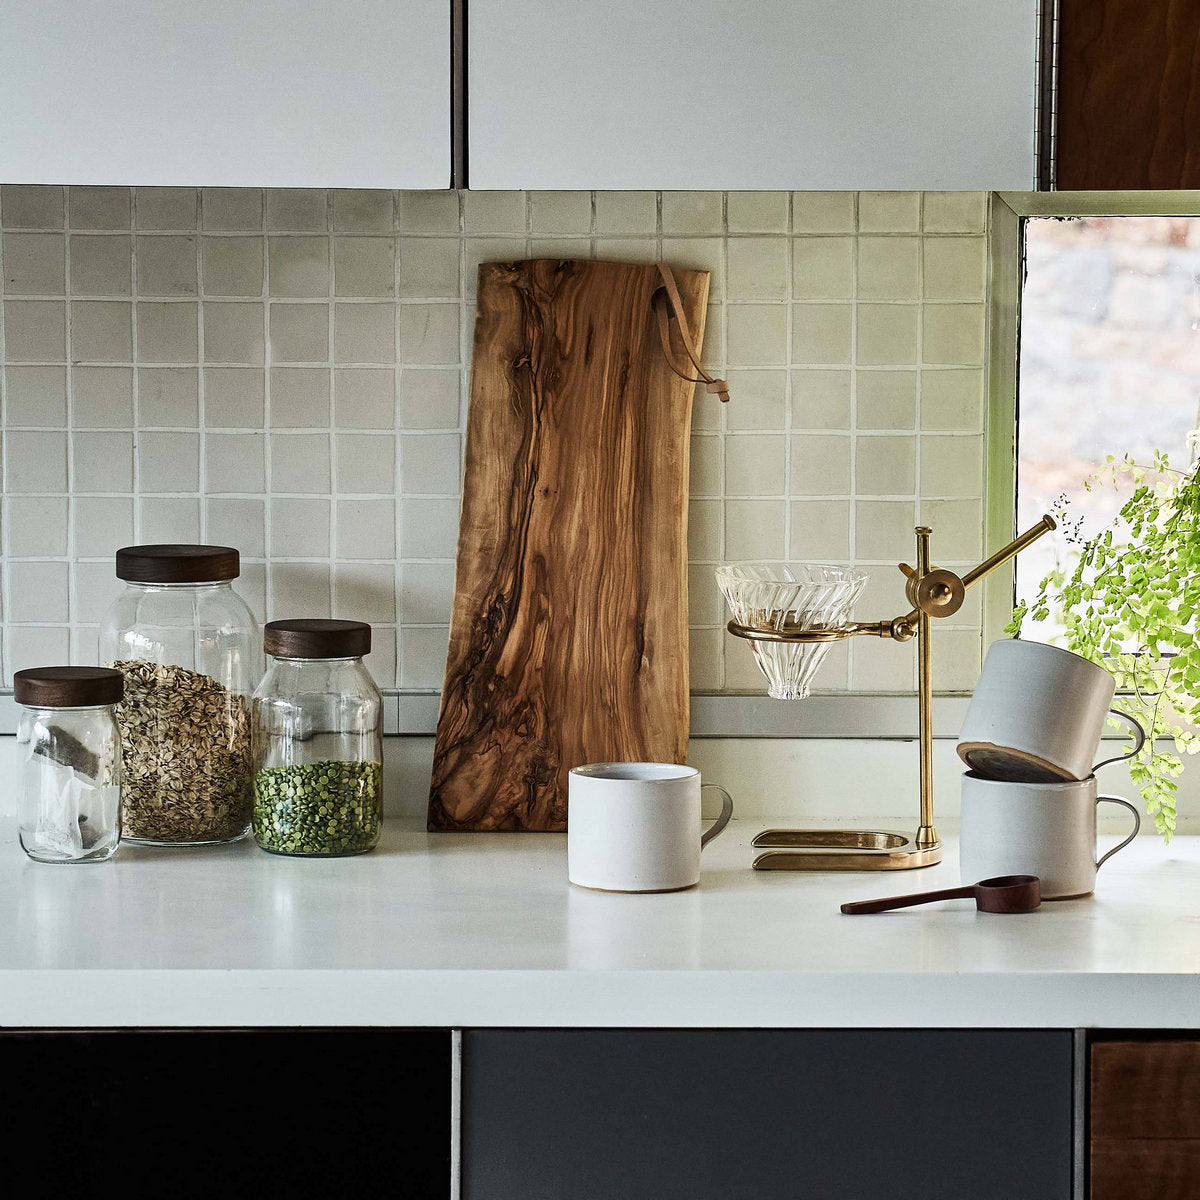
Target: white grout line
{"type": "Point", "coordinates": [852, 516]}
{"type": "Point", "coordinates": [72, 592]}
{"type": "Point", "coordinates": [722, 508]}
{"type": "Point", "coordinates": [135, 333]}
{"type": "Point", "coordinates": [202, 449]}
{"type": "Point", "coordinates": [5, 600]}
{"type": "Point", "coordinates": [268, 423]}
{"type": "Point", "coordinates": [789, 416]}
{"type": "Point", "coordinates": [334, 531]}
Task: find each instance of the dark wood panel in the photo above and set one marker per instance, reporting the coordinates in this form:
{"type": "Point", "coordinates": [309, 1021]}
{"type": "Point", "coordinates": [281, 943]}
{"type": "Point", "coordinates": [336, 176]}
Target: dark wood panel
{"type": "Point", "coordinates": [1145, 1120]}
{"type": "Point", "coordinates": [1160, 1169]}
{"type": "Point", "coordinates": [1129, 94]}
{"type": "Point", "coordinates": [732, 1114]}
{"type": "Point", "coordinates": [568, 637]}
{"type": "Point", "coordinates": [1147, 1089]}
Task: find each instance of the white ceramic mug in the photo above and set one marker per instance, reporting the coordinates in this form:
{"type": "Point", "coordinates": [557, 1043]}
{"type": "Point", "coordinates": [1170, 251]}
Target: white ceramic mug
{"type": "Point", "coordinates": [1042, 829]}
{"type": "Point", "coordinates": [635, 827]}
{"type": "Point", "coordinates": [1037, 715]}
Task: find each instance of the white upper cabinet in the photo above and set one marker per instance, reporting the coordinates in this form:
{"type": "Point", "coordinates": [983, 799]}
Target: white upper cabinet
{"type": "Point", "coordinates": [273, 93]}
{"type": "Point", "coordinates": [775, 94]}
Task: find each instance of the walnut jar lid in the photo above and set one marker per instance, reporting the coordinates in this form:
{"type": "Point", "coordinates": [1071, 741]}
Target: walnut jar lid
{"type": "Point", "coordinates": [316, 638]}
{"type": "Point", "coordinates": [173, 562]}
{"type": "Point", "coordinates": [68, 687]}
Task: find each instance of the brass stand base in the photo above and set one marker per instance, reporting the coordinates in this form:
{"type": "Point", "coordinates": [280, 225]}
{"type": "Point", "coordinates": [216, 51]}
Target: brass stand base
{"type": "Point", "coordinates": [843, 850]}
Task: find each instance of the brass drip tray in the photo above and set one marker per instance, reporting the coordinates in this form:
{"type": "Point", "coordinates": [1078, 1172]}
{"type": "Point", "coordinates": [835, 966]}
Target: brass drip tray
{"type": "Point", "coordinates": [832, 839]}
{"type": "Point", "coordinates": [842, 850]}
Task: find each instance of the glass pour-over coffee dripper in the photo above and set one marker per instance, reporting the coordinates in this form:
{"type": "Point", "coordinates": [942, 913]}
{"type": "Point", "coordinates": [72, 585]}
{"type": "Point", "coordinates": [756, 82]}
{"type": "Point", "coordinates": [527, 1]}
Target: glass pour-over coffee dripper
{"type": "Point", "coordinates": [789, 597]}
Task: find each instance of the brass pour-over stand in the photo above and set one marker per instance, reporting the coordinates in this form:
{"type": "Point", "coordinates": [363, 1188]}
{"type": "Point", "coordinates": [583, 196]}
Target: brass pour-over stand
{"type": "Point", "coordinates": [932, 592]}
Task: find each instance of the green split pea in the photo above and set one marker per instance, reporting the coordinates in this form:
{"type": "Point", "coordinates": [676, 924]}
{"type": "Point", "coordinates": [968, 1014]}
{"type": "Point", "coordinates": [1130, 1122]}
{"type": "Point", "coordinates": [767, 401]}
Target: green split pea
{"type": "Point", "coordinates": [323, 808]}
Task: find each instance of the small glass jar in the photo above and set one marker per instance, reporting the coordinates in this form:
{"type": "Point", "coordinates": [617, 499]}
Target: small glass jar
{"type": "Point", "coordinates": [188, 647]}
{"type": "Point", "coordinates": [69, 748]}
{"type": "Point", "coordinates": [318, 783]}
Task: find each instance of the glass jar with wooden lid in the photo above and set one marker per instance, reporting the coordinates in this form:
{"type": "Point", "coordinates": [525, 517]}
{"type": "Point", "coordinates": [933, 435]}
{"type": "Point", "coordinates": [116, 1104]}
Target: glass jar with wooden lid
{"type": "Point", "coordinates": [69, 751]}
{"type": "Point", "coordinates": [318, 782]}
{"type": "Point", "coordinates": [188, 647]}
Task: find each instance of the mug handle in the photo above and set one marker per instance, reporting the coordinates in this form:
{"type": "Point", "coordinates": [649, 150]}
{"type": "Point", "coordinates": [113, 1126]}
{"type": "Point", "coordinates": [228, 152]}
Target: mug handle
{"type": "Point", "coordinates": [723, 819]}
{"type": "Point", "coordinates": [1139, 737]}
{"type": "Point", "coordinates": [1137, 824]}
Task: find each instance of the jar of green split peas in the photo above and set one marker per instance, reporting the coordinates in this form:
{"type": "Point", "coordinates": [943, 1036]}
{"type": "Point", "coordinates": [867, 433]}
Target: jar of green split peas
{"type": "Point", "coordinates": [318, 746]}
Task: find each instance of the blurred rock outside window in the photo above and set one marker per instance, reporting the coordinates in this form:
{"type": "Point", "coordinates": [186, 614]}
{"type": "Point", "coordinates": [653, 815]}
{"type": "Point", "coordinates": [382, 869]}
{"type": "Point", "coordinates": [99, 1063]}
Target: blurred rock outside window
{"type": "Point", "coordinates": [1109, 364]}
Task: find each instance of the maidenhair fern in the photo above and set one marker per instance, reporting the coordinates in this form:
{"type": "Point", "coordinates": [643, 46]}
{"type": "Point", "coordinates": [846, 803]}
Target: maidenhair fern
{"type": "Point", "coordinates": [1131, 604]}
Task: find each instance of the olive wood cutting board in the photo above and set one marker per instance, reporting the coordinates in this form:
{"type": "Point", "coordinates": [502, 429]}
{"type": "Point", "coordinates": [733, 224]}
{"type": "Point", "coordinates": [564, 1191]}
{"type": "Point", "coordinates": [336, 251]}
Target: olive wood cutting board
{"type": "Point", "coordinates": [568, 639]}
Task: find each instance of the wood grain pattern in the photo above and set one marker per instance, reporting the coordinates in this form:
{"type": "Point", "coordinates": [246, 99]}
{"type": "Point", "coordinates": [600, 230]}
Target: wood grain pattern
{"type": "Point", "coordinates": [1145, 1120]}
{"type": "Point", "coordinates": [1146, 1089]}
{"type": "Point", "coordinates": [568, 640]}
{"type": "Point", "coordinates": [1128, 94]}
{"type": "Point", "coordinates": [1153, 1169]}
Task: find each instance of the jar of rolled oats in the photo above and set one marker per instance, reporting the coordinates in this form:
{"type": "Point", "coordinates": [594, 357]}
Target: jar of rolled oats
{"type": "Point", "coordinates": [188, 647]}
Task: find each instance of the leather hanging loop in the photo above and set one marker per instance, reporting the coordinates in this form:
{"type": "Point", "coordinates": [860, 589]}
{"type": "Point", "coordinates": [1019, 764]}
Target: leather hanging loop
{"type": "Point", "coordinates": [668, 303]}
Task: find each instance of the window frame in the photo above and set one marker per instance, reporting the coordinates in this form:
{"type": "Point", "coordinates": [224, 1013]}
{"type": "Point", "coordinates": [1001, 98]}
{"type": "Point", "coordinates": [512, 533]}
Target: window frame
{"type": "Point", "coordinates": [1008, 212]}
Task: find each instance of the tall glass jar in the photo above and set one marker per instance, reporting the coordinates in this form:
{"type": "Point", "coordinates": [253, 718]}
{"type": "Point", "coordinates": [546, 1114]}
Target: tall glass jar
{"type": "Point", "coordinates": [318, 783]}
{"type": "Point", "coordinates": [188, 647]}
{"type": "Point", "coordinates": [69, 750]}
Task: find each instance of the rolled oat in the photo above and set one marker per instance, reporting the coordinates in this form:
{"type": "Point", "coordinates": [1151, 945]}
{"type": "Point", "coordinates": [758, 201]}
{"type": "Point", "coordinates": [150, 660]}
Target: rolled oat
{"type": "Point", "coordinates": [186, 756]}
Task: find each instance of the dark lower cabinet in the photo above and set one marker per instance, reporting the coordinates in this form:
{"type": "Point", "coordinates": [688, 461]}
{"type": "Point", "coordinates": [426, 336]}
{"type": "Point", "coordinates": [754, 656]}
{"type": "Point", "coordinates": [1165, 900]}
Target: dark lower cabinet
{"type": "Point", "coordinates": [320, 1113]}
{"type": "Point", "coordinates": [546, 1114]}
{"type": "Point", "coordinates": [722, 1115]}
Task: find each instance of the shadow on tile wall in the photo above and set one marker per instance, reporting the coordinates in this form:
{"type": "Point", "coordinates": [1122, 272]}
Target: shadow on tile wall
{"type": "Point", "coordinates": [286, 372]}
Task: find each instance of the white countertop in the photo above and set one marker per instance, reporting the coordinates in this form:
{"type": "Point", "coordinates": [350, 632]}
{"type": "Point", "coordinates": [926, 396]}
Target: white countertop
{"type": "Point", "coordinates": [484, 930]}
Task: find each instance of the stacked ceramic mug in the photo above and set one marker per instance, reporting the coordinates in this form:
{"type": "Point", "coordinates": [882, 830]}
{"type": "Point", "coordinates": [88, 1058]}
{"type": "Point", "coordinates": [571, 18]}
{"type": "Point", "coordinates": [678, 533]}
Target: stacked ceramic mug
{"type": "Point", "coordinates": [1031, 738]}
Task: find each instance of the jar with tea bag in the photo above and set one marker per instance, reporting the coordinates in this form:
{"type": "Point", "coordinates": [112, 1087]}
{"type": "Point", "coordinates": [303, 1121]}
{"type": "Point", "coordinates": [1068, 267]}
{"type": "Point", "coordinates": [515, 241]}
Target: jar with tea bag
{"type": "Point", "coordinates": [189, 650]}
{"type": "Point", "coordinates": [318, 783]}
{"type": "Point", "coordinates": [69, 751]}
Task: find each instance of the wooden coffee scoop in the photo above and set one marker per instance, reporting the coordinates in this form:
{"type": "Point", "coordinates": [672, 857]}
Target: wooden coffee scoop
{"type": "Point", "coordinates": [1003, 894]}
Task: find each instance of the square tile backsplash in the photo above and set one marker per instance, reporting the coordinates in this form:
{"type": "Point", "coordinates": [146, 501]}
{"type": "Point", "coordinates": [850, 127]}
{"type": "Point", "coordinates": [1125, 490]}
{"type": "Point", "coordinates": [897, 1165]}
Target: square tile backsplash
{"type": "Point", "coordinates": [287, 372]}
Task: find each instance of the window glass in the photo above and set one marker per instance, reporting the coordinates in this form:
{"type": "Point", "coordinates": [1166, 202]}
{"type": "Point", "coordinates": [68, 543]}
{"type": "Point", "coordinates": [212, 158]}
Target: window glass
{"type": "Point", "coordinates": [1109, 365]}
